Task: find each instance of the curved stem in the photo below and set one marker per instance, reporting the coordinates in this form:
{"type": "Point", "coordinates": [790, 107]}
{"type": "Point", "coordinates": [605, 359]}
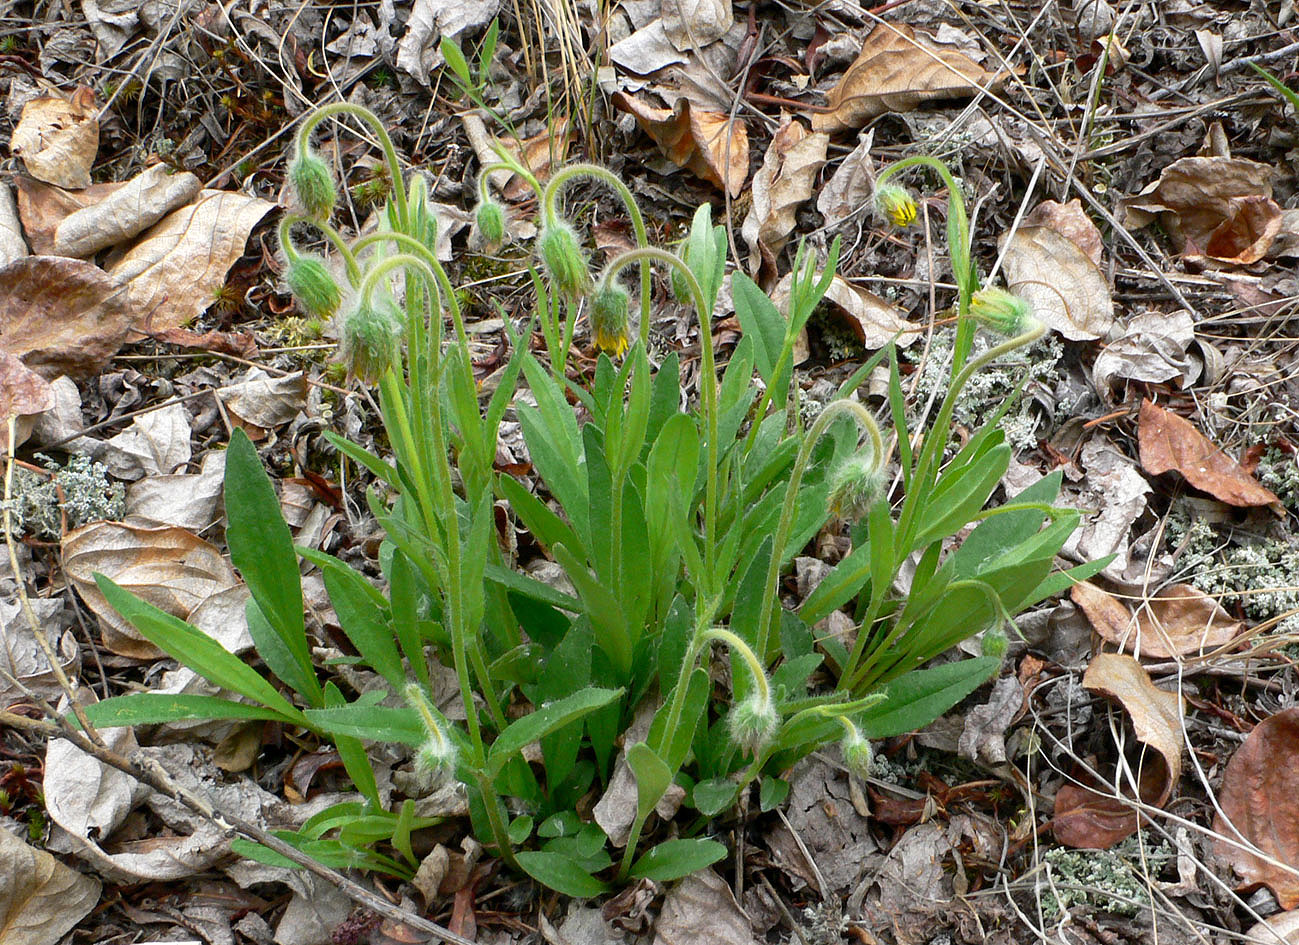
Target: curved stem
{"type": "Point", "coordinates": [385, 141]}
{"type": "Point", "coordinates": [335, 238]}
{"type": "Point", "coordinates": [440, 279]}
{"type": "Point", "coordinates": [513, 168]}
{"type": "Point", "coordinates": [832, 412]}
{"type": "Point", "coordinates": [745, 652]}
{"type": "Point", "coordinates": [572, 172]}
{"type": "Point", "coordinates": [708, 383]}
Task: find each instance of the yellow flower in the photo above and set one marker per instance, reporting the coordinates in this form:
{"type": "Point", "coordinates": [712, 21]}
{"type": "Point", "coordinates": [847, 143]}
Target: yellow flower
{"type": "Point", "coordinates": [609, 307]}
{"type": "Point", "coordinates": [896, 204]}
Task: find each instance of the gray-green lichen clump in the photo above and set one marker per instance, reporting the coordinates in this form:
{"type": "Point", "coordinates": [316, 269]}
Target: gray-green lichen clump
{"type": "Point", "coordinates": [36, 507]}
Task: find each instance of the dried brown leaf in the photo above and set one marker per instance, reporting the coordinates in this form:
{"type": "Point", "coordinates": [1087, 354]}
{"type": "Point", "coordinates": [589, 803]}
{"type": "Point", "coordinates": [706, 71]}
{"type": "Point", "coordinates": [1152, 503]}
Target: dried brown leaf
{"type": "Point", "coordinates": [1058, 278]}
{"type": "Point", "coordinates": [707, 143]}
{"type": "Point", "coordinates": [1220, 207]}
{"type": "Point", "coordinates": [693, 24]}
{"type": "Point", "coordinates": [57, 138]}
{"type": "Point", "coordinates": [897, 70]}
{"type": "Point", "coordinates": [1178, 621]}
{"type": "Point", "coordinates": [42, 207]}
{"type": "Point", "coordinates": [133, 208]}
{"type": "Point", "coordinates": [62, 316]}
{"type": "Point", "coordinates": [1071, 222]}
{"type": "Point", "coordinates": [173, 272]}
{"type": "Point", "coordinates": [782, 185]}
{"type": "Point", "coordinates": [701, 908]}
{"type": "Point", "coordinates": [40, 898]}
{"type": "Point", "coordinates": [1088, 819]}
{"type": "Point", "coordinates": [170, 568]}
{"type": "Point", "coordinates": [12, 244]}
{"type": "Point", "coordinates": [1169, 442]}
{"type": "Point", "coordinates": [1260, 797]}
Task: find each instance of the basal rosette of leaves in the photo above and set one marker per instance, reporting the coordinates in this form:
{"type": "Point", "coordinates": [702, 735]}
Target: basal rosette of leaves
{"type": "Point", "coordinates": [673, 527]}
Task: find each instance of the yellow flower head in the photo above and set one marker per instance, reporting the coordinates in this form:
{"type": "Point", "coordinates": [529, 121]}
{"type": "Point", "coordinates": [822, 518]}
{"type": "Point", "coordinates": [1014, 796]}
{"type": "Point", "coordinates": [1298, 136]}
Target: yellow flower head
{"type": "Point", "coordinates": [609, 328]}
{"type": "Point", "coordinates": [896, 204]}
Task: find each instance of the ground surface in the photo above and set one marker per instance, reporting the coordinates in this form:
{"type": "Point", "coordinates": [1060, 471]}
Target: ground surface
{"type": "Point", "coordinates": [1167, 391]}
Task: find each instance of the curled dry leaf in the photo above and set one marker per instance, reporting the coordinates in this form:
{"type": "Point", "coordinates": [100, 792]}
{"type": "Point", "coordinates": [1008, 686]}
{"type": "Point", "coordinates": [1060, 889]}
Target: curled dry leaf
{"type": "Point", "coordinates": [1071, 222]}
{"type": "Point", "coordinates": [1260, 798]}
{"type": "Point", "coordinates": [701, 908]}
{"type": "Point", "coordinates": [23, 394]}
{"type": "Point", "coordinates": [1280, 929]}
{"type": "Point", "coordinates": [851, 185]}
{"type": "Point", "coordinates": [40, 898]}
{"type": "Point", "coordinates": [57, 138]}
{"type": "Point", "coordinates": [692, 24]}
{"type": "Point", "coordinates": [62, 316]}
{"type": "Point", "coordinates": [1154, 347]}
{"type": "Point", "coordinates": [1219, 207]}
{"type": "Point", "coordinates": [173, 272]}
{"type": "Point", "coordinates": [706, 143]}
{"type": "Point", "coordinates": [171, 568]}
{"type": "Point", "coordinates": [1169, 442]}
{"type": "Point", "coordinates": [128, 211]}
{"type": "Point", "coordinates": [12, 245]}
{"type": "Point", "coordinates": [42, 207]}
{"type": "Point", "coordinates": [780, 187]}
{"type": "Point", "coordinates": [1092, 820]}
{"type": "Point", "coordinates": [1058, 278]}
{"type": "Point", "coordinates": [1180, 620]}
{"type": "Point", "coordinates": [874, 321]}
{"type": "Point", "coordinates": [897, 70]}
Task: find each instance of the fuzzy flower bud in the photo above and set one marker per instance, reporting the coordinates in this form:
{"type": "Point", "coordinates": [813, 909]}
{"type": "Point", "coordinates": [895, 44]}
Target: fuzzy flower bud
{"type": "Point", "coordinates": [312, 286]}
{"type": "Point", "coordinates": [1001, 311]}
{"type": "Point", "coordinates": [436, 759]}
{"type": "Point", "coordinates": [753, 723]}
{"type": "Point", "coordinates": [371, 340]}
{"type": "Point", "coordinates": [312, 184]}
{"type": "Point", "coordinates": [855, 485]}
{"type": "Point", "coordinates": [491, 224]}
{"type": "Point", "coordinates": [895, 204]}
{"type": "Point", "coordinates": [856, 750]}
{"type": "Point", "coordinates": [994, 642]}
{"type": "Point", "coordinates": [609, 307]}
{"type": "Point", "coordinates": [564, 260]}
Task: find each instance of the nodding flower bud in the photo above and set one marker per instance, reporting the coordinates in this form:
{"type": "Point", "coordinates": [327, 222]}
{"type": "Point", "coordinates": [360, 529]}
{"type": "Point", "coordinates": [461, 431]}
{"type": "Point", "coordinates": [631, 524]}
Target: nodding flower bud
{"type": "Point", "coordinates": [313, 287]}
{"type": "Point", "coordinates": [1001, 311]}
{"type": "Point", "coordinates": [753, 722]}
{"type": "Point", "coordinates": [855, 485]}
{"type": "Point", "coordinates": [856, 750]}
{"type": "Point", "coordinates": [896, 204]}
{"type": "Point", "coordinates": [436, 758]}
{"type": "Point", "coordinates": [491, 224]}
{"type": "Point", "coordinates": [994, 642]}
{"type": "Point", "coordinates": [312, 184]}
{"type": "Point", "coordinates": [564, 260]}
{"type": "Point", "coordinates": [609, 327]}
{"type": "Point", "coordinates": [371, 339]}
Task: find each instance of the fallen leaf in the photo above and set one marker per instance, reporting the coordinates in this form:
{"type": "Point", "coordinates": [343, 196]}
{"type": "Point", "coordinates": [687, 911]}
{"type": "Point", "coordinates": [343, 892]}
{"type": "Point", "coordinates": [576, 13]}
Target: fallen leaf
{"type": "Point", "coordinates": [173, 272]}
{"type": "Point", "coordinates": [22, 656]}
{"type": "Point", "coordinates": [1117, 491]}
{"type": "Point", "coordinates": [62, 316]}
{"type": "Point", "coordinates": [241, 344]}
{"type": "Point", "coordinates": [1215, 206]}
{"type": "Point", "coordinates": [693, 24]}
{"type": "Point", "coordinates": [782, 185]}
{"type": "Point", "coordinates": [190, 501]}
{"type": "Point", "coordinates": [874, 321]}
{"type": "Point", "coordinates": [155, 444]}
{"type": "Point", "coordinates": [1280, 929]}
{"type": "Point", "coordinates": [57, 138]}
{"type": "Point", "coordinates": [1067, 291]}
{"type": "Point", "coordinates": [1087, 819]}
{"type": "Point", "coordinates": [171, 568]}
{"type": "Point", "coordinates": [12, 245]}
{"type": "Point", "coordinates": [701, 908]}
{"type": "Point", "coordinates": [23, 394]}
{"type": "Point", "coordinates": [1154, 347]}
{"type": "Point", "coordinates": [1071, 222]}
{"type": "Point", "coordinates": [42, 207]}
{"type": "Point", "coordinates": [707, 143]}
{"type": "Point", "coordinates": [852, 184]}
{"type": "Point", "coordinates": [83, 795]}
{"type": "Point", "coordinates": [419, 50]}
{"type": "Point", "coordinates": [897, 70]}
{"type": "Point", "coordinates": [1169, 442]}
{"type": "Point", "coordinates": [1180, 620]}
{"type": "Point", "coordinates": [264, 401]}
{"type": "Point", "coordinates": [40, 898]}
{"type": "Point", "coordinates": [130, 210]}
{"type": "Point", "coordinates": [1259, 797]}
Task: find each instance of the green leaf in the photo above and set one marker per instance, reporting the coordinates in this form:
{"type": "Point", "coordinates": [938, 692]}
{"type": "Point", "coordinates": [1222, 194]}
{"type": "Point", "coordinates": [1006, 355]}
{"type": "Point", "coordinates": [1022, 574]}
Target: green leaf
{"type": "Point", "coordinates": [602, 607]}
{"type": "Point", "coordinates": [374, 722]}
{"type": "Point", "coordinates": [960, 494]}
{"type": "Point", "coordinates": [455, 58]}
{"type": "Point", "coordinates": [383, 471]}
{"type": "Point", "coordinates": [772, 793]}
{"type": "Point", "coordinates": [762, 321]}
{"type": "Point", "coordinates": [715, 795]}
{"type": "Point", "coordinates": [277, 657]}
{"type": "Point", "coordinates": [361, 610]}
{"type": "Point", "coordinates": [352, 753]}
{"type": "Point", "coordinates": [558, 872]}
{"type": "Point", "coordinates": [195, 649]}
{"type": "Point", "coordinates": [919, 697]}
{"type": "Point", "coordinates": [653, 777]}
{"type": "Point", "coordinates": [544, 720]}
{"type": "Point", "coordinates": [261, 545]}
{"type": "Point", "coordinates": [673, 859]}
{"type": "Point", "coordinates": [154, 708]}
